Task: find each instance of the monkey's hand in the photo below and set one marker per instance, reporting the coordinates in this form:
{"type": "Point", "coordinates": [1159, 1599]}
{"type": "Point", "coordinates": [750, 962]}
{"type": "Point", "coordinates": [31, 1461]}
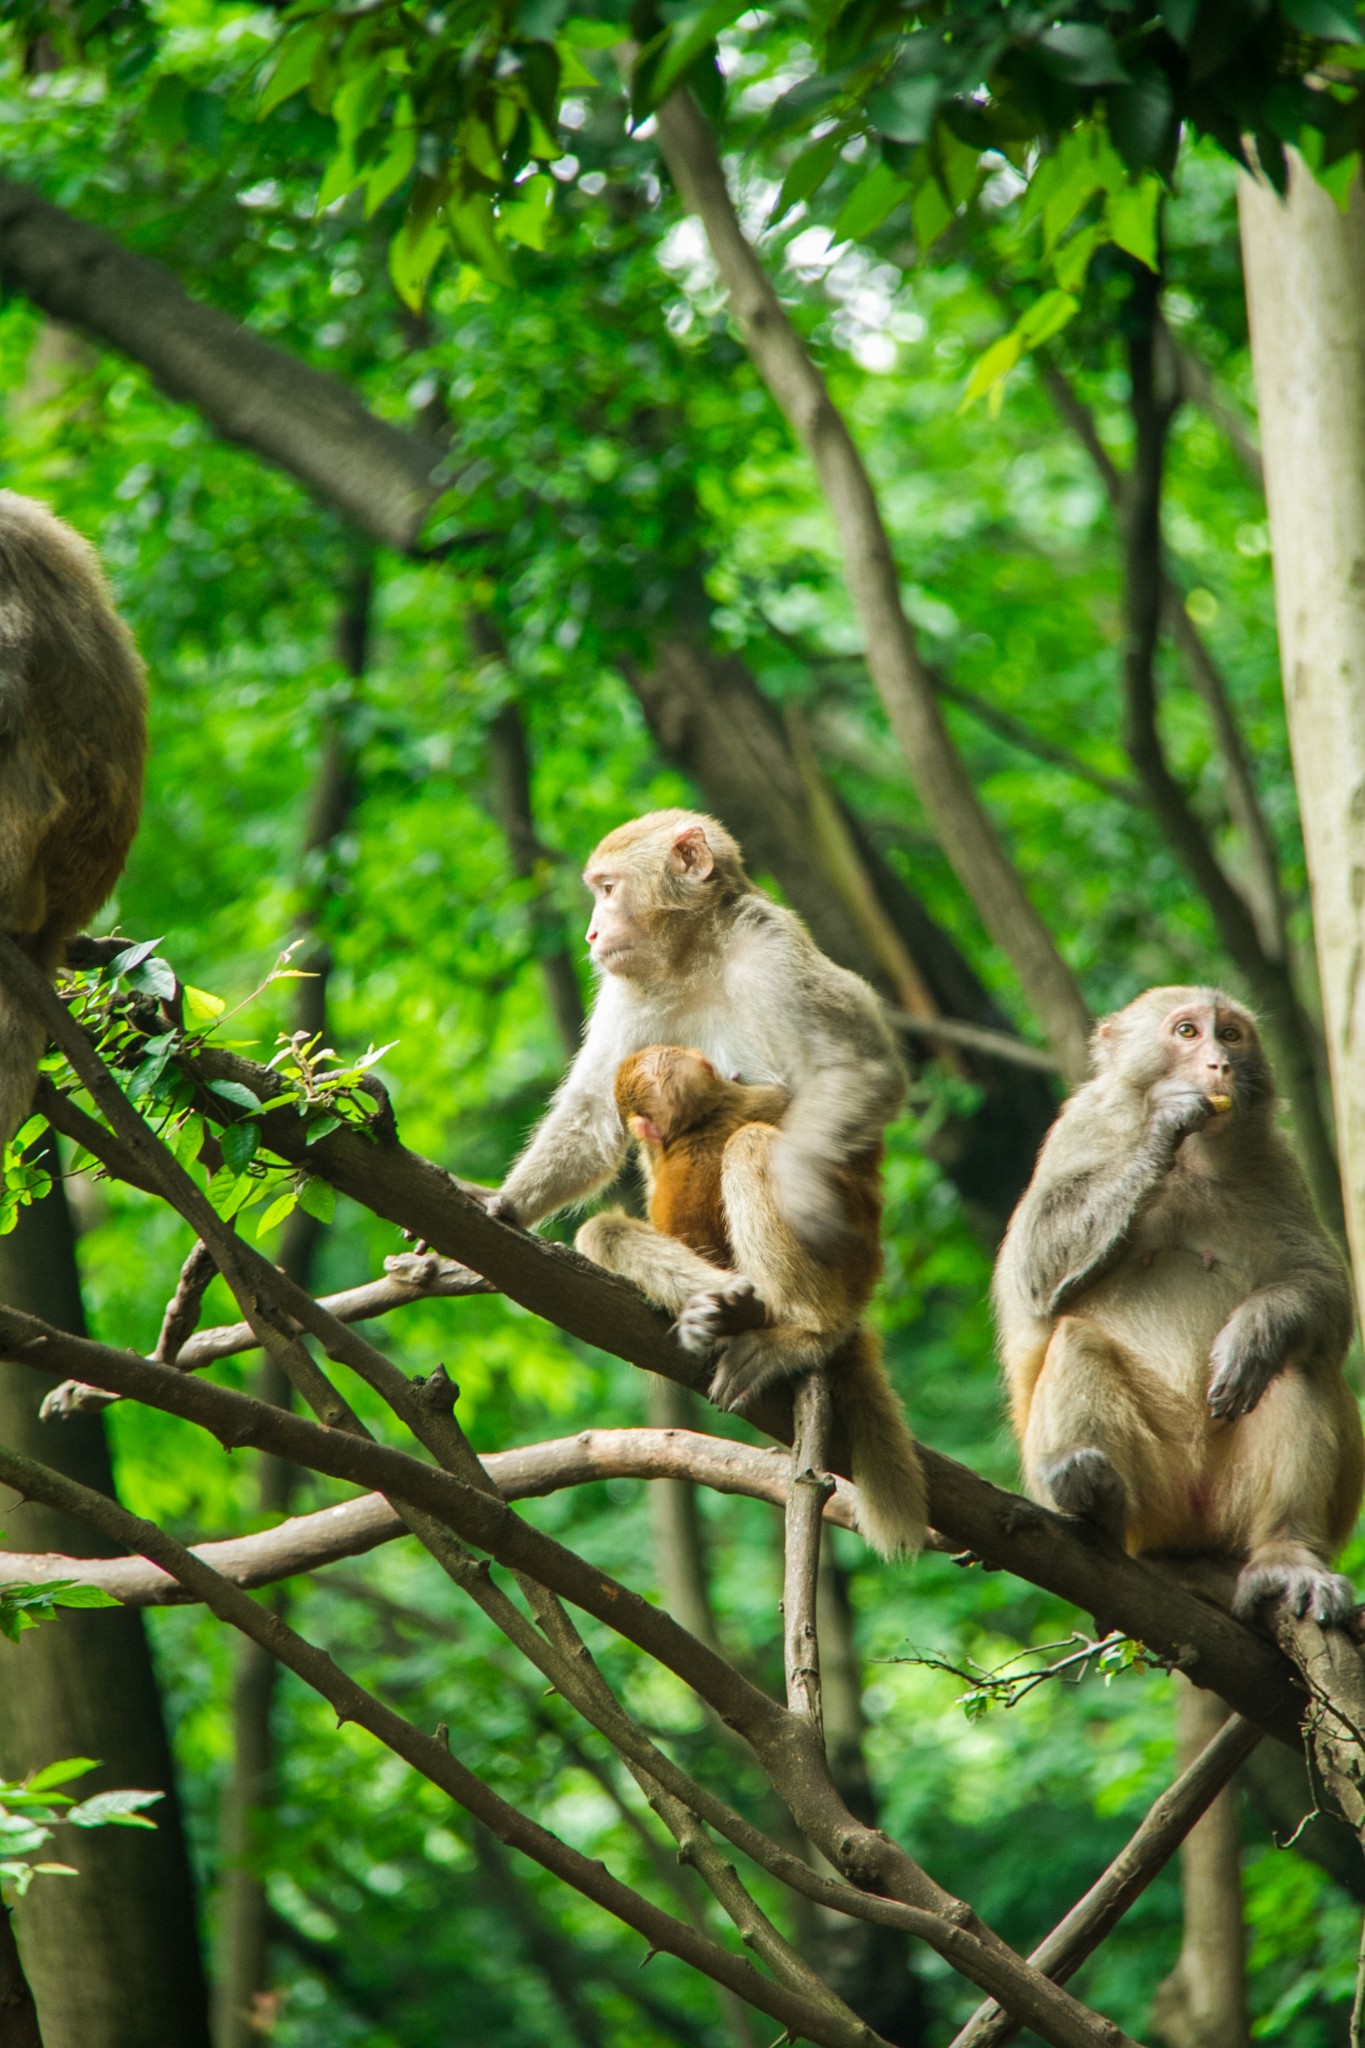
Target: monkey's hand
{"type": "Point", "coordinates": [501, 1209]}
{"type": "Point", "coordinates": [1178, 1109]}
{"type": "Point", "coordinates": [708, 1319]}
{"type": "Point", "coordinates": [1243, 1365]}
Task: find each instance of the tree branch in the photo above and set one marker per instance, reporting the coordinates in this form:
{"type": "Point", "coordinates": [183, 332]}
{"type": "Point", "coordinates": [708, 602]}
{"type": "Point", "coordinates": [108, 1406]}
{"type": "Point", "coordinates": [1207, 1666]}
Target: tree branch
{"type": "Point", "coordinates": [962, 825]}
{"type": "Point", "coordinates": [430, 1756]}
{"type": "Point", "coordinates": [809, 1488]}
{"type": "Point", "coordinates": [410, 1276]}
{"type": "Point", "coordinates": [384, 480]}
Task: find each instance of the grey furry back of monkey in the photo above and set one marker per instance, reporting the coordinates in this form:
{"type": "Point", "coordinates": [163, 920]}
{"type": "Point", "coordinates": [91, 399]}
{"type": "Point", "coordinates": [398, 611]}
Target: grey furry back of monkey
{"type": "Point", "coordinates": [73, 742]}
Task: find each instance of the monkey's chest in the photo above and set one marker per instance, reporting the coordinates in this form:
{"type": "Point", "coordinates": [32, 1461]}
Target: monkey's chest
{"type": "Point", "coordinates": [1168, 1300]}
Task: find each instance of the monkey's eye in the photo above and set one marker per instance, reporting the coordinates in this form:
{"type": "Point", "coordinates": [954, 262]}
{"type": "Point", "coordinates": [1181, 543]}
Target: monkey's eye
{"type": "Point", "coordinates": [1186, 1029]}
{"type": "Point", "coordinates": [1231, 1034]}
{"type": "Point", "coordinates": [605, 888]}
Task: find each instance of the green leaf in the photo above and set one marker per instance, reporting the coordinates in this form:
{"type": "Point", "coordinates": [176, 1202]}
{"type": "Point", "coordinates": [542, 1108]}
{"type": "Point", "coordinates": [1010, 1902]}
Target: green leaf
{"type": "Point", "coordinates": [872, 199]}
{"type": "Point", "coordinates": [240, 1143]}
{"type": "Point", "coordinates": [688, 37]}
{"type": "Point", "coordinates": [119, 1809]}
{"type": "Point", "coordinates": [997, 362]}
{"type": "Point", "coordinates": [293, 66]}
{"type": "Point", "coordinates": [413, 253]}
{"type": "Point", "coordinates": [81, 1596]}
{"type": "Point", "coordinates": [200, 1007]}
{"type": "Point", "coordinates": [1046, 317]}
{"type": "Point", "coordinates": [807, 172]}
{"type": "Point", "coordinates": [131, 956]}
{"type": "Point", "coordinates": [526, 217]}
{"type": "Point", "coordinates": [905, 109]}
{"type": "Point", "coordinates": [930, 214]}
{"type": "Point", "coordinates": [283, 1206]}
{"type": "Point", "coordinates": [593, 35]}
{"type": "Point", "coordinates": [61, 1773]}
{"type": "Point", "coordinates": [318, 1198]}
{"type": "Point", "coordinates": [1072, 260]}
{"type": "Point", "coordinates": [1081, 52]}
{"type": "Point", "coordinates": [153, 977]}
{"type": "Point", "coordinates": [1130, 215]}
{"type": "Point", "coordinates": [237, 1093]}
{"type": "Point", "coordinates": [337, 180]}
{"type": "Point", "coordinates": [1142, 122]}
{"type": "Point", "coordinates": [1327, 18]}
{"type": "Point", "coordinates": [323, 1128]}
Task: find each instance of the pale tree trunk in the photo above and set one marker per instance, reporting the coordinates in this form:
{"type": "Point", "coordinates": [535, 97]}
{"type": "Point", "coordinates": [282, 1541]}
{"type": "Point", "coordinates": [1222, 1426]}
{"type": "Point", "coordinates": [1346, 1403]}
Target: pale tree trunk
{"type": "Point", "coordinates": [1202, 2004]}
{"type": "Point", "coordinates": [1305, 283]}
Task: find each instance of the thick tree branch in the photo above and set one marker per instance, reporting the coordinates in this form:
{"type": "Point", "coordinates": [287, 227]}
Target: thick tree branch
{"type": "Point", "coordinates": [961, 824]}
{"type": "Point", "coordinates": [384, 480]}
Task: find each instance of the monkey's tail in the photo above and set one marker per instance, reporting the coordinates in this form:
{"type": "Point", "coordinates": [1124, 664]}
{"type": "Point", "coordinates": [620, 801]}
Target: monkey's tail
{"type": "Point", "coordinates": [892, 1511]}
{"type": "Point", "coordinates": [21, 1047]}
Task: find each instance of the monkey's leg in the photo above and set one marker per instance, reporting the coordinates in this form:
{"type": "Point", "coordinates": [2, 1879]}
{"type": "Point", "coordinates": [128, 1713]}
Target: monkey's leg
{"type": "Point", "coordinates": [671, 1275]}
{"type": "Point", "coordinates": [1287, 1495]}
{"type": "Point", "coordinates": [807, 1298]}
{"type": "Point", "coordinates": [1093, 1445]}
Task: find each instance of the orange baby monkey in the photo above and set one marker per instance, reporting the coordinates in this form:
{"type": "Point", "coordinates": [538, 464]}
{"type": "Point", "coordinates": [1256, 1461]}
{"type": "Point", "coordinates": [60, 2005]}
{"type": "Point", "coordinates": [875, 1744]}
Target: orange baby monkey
{"type": "Point", "coordinates": [718, 1253]}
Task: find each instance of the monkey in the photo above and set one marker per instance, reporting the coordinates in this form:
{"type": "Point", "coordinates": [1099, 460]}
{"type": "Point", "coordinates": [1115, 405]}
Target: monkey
{"type": "Point", "coordinates": [1173, 1316]}
{"type": "Point", "coordinates": [718, 1253]}
{"type": "Point", "coordinates": [73, 742]}
{"type": "Point", "coordinates": [690, 953]}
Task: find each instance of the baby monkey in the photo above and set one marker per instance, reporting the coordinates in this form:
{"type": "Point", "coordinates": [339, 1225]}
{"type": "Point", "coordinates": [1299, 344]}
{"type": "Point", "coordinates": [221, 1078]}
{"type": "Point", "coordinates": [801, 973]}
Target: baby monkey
{"type": "Point", "coordinates": [1173, 1316]}
{"type": "Point", "coordinates": [719, 1254]}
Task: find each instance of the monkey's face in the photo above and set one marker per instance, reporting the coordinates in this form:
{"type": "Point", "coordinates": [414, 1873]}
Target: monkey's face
{"type": "Point", "coordinates": [666, 1090]}
{"type": "Point", "coordinates": [1197, 1036]}
{"type": "Point", "coordinates": [645, 873]}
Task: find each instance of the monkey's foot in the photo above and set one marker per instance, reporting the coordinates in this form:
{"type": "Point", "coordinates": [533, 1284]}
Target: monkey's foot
{"type": "Point", "coordinates": [1308, 1590]}
{"type": "Point", "coordinates": [748, 1363]}
{"type": "Point", "coordinates": [1085, 1483]}
{"type": "Point", "coordinates": [709, 1318]}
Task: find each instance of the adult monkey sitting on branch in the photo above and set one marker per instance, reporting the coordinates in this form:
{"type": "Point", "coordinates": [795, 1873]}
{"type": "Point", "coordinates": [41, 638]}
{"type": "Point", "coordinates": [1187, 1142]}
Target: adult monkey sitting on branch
{"type": "Point", "coordinates": [73, 739]}
{"type": "Point", "coordinates": [690, 953]}
{"type": "Point", "coordinates": [1173, 1316]}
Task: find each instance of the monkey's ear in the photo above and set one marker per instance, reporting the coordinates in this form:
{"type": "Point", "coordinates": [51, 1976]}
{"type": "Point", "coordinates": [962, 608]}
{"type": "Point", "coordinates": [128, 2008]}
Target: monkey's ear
{"type": "Point", "coordinates": [646, 1130]}
{"type": "Point", "coordinates": [690, 854]}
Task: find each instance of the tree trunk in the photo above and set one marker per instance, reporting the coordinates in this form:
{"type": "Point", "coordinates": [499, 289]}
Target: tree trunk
{"type": "Point", "coordinates": [1305, 261]}
{"type": "Point", "coordinates": [112, 1955]}
{"type": "Point", "coordinates": [1202, 2004]}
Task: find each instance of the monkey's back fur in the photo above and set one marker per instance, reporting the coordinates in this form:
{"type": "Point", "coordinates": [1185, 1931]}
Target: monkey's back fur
{"type": "Point", "coordinates": [73, 741]}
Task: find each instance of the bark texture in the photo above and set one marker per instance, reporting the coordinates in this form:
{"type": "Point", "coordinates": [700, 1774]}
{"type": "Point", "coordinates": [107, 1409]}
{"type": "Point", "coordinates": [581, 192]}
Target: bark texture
{"type": "Point", "coordinates": [84, 1686]}
{"type": "Point", "coordinates": [1304, 261]}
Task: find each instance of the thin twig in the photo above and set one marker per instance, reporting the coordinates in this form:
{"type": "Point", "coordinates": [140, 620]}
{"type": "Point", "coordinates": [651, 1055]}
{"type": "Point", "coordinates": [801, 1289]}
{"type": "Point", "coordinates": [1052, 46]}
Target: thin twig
{"type": "Point", "coordinates": [998, 1045]}
{"type": "Point", "coordinates": [182, 1310]}
{"type": "Point", "coordinates": [811, 1486]}
{"type": "Point", "coordinates": [411, 1276]}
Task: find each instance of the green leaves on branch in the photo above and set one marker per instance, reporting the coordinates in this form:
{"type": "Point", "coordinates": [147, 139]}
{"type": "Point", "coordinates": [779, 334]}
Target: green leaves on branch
{"type": "Point", "coordinates": [31, 1809]}
{"type": "Point", "coordinates": [448, 114]}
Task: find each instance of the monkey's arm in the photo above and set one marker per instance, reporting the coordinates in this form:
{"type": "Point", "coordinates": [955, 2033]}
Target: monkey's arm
{"type": "Point", "coordinates": [578, 1145]}
{"type": "Point", "coordinates": [1074, 1227]}
{"type": "Point", "coordinates": [1302, 1319]}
